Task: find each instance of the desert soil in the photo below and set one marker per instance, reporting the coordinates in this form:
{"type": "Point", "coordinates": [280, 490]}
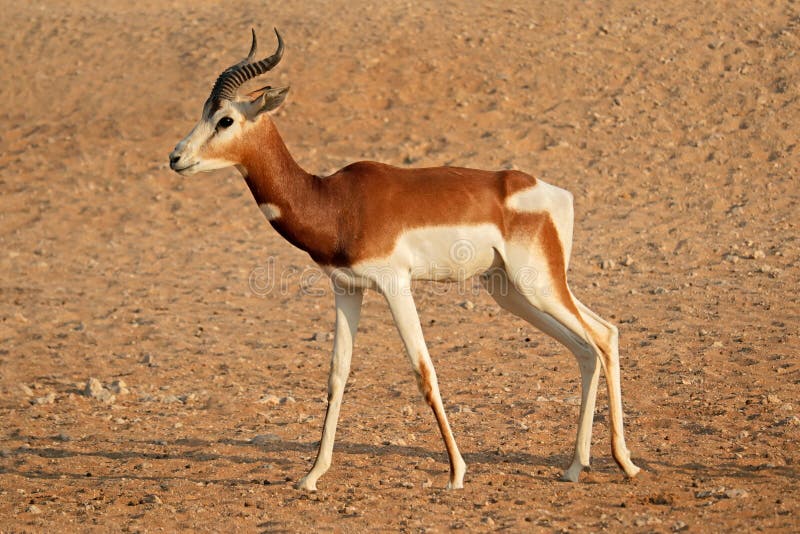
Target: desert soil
{"type": "Point", "coordinates": [673, 123]}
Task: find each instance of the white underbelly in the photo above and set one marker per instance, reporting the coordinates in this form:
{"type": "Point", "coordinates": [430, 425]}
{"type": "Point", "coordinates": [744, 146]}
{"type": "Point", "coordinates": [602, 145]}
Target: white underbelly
{"type": "Point", "coordinates": [437, 253]}
{"type": "Point", "coordinates": [446, 252]}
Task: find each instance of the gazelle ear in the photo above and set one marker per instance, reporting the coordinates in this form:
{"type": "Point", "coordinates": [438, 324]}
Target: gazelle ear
{"type": "Point", "coordinates": [266, 99]}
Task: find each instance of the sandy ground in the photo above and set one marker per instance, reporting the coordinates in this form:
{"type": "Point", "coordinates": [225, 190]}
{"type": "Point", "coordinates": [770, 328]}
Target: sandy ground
{"type": "Point", "coordinates": [675, 126]}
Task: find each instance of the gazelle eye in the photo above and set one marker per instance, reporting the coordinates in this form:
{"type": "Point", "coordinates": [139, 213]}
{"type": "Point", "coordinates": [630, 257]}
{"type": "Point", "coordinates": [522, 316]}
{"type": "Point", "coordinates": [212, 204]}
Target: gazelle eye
{"type": "Point", "coordinates": [224, 122]}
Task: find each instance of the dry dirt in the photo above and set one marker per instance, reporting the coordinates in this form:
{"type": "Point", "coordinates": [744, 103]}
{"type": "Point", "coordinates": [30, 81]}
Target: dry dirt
{"type": "Point", "coordinates": [673, 123]}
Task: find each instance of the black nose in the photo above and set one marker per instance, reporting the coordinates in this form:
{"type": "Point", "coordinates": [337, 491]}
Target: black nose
{"type": "Point", "coordinates": [173, 160]}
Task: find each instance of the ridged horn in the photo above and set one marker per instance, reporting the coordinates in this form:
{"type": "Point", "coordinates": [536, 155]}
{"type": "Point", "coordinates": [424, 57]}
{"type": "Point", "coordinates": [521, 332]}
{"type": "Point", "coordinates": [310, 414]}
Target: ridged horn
{"type": "Point", "coordinates": [234, 76]}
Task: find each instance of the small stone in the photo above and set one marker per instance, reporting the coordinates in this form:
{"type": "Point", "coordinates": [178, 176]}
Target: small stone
{"type": "Point", "coordinates": [787, 407]}
{"type": "Point", "coordinates": [628, 261]}
{"type": "Point", "coordinates": [349, 510]}
{"type": "Point", "coordinates": [659, 291]}
{"type": "Point", "coordinates": [269, 399]}
{"type": "Point", "coordinates": [26, 390]}
{"type": "Point", "coordinates": [717, 345]}
{"type": "Point", "coordinates": [773, 399]}
{"type": "Point", "coordinates": [486, 520]}
{"type": "Point", "coordinates": [320, 336]}
{"type": "Point", "coordinates": [33, 509]}
{"type": "Point", "coordinates": [407, 410]}
{"type": "Point", "coordinates": [63, 437]}
{"type": "Point", "coordinates": [171, 399]}
{"type": "Point", "coordinates": [50, 398]}
{"type": "Point", "coordinates": [607, 264]}
{"type": "Point", "coordinates": [151, 499]}
{"type": "Point", "coordinates": [263, 439]}
{"type": "Point", "coordinates": [679, 526]}
{"type": "Point", "coordinates": [732, 258]}
{"type": "Point", "coordinates": [287, 400]}
{"type": "Point", "coordinates": [93, 388]}
{"type": "Point", "coordinates": [758, 255]}
{"type": "Point", "coordinates": [467, 305]}
{"type": "Point", "coordinates": [736, 494]}
{"type": "Point", "coordinates": [148, 359]}
{"type": "Point", "coordinates": [119, 387]}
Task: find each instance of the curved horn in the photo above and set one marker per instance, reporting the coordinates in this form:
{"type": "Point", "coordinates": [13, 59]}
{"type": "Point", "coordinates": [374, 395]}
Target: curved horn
{"type": "Point", "coordinates": [234, 76]}
{"type": "Point", "coordinates": [252, 54]}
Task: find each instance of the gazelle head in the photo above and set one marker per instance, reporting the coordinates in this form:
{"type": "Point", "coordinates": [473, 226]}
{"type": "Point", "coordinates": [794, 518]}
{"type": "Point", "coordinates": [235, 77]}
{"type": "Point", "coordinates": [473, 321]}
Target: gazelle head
{"type": "Point", "coordinates": [213, 142]}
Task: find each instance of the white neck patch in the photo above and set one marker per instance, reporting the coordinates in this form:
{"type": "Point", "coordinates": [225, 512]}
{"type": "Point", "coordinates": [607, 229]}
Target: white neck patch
{"type": "Point", "coordinates": [270, 211]}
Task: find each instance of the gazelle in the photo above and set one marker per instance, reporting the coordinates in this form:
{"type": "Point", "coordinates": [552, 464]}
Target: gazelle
{"type": "Point", "coordinates": [375, 226]}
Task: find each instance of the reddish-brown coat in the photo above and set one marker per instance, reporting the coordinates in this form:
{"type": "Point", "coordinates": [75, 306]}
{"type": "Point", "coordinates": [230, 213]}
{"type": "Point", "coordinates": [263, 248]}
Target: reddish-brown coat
{"type": "Point", "coordinates": [359, 212]}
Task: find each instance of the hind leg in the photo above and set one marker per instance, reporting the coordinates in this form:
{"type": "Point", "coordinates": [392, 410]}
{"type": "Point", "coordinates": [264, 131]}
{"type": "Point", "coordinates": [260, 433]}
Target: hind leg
{"type": "Point", "coordinates": [607, 339]}
{"type": "Point", "coordinates": [548, 304]}
{"type": "Point", "coordinates": [567, 330]}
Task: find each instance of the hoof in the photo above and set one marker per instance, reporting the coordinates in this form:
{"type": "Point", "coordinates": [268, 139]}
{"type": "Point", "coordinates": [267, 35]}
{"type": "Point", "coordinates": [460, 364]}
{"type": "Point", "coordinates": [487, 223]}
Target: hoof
{"type": "Point", "coordinates": [455, 485]}
{"type": "Point", "coordinates": [573, 472]}
{"type": "Point", "coordinates": [457, 476]}
{"type": "Point", "coordinates": [631, 471]}
{"type": "Point", "coordinates": [306, 484]}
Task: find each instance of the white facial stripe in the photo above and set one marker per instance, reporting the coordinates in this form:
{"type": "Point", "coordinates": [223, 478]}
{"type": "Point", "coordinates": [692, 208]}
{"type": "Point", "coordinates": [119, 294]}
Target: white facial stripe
{"type": "Point", "coordinates": [270, 211]}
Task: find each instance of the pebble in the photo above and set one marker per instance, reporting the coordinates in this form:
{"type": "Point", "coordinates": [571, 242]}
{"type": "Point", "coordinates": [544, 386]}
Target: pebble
{"type": "Point", "coordinates": [659, 291]}
{"type": "Point", "coordinates": [758, 255]}
{"type": "Point", "coordinates": [679, 526]}
{"type": "Point", "coordinates": [50, 398]}
{"type": "Point", "coordinates": [148, 359]}
{"type": "Point", "coordinates": [320, 336]}
{"type": "Point", "coordinates": [63, 437]}
{"type": "Point", "coordinates": [607, 264]}
{"type": "Point", "coordinates": [94, 389]}
{"type": "Point", "coordinates": [287, 400]}
{"type": "Point", "coordinates": [628, 261]}
{"type": "Point", "coordinates": [736, 494]}
{"type": "Point", "coordinates": [33, 509]}
{"type": "Point", "coordinates": [262, 439]}
{"type": "Point", "coordinates": [269, 399]}
{"type": "Point", "coordinates": [467, 305]}
{"type": "Point", "coordinates": [151, 499]}
{"type": "Point", "coordinates": [119, 387]}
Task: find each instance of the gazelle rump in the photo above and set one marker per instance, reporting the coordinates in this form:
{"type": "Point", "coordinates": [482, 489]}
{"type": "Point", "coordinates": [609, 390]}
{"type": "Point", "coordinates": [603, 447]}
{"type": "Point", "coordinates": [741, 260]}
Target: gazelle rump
{"type": "Point", "coordinates": [376, 226]}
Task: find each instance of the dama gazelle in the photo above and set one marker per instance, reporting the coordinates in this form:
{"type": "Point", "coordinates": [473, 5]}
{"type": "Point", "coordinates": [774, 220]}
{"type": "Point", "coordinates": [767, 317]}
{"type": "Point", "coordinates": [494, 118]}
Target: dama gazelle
{"type": "Point", "coordinates": [375, 226]}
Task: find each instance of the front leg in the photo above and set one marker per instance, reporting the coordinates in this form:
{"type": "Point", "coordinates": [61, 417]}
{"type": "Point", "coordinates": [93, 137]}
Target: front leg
{"type": "Point", "coordinates": [348, 311]}
{"type": "Point", "coordinates": [401, 304]}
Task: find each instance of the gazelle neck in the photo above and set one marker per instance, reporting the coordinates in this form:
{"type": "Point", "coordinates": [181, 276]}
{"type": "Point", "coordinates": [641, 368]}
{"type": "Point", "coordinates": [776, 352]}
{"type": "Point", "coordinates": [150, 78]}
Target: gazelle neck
{"type": "Point", "coordinates": [295, 202]}
{"type": "Point", "coordinates": [271, 173]}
